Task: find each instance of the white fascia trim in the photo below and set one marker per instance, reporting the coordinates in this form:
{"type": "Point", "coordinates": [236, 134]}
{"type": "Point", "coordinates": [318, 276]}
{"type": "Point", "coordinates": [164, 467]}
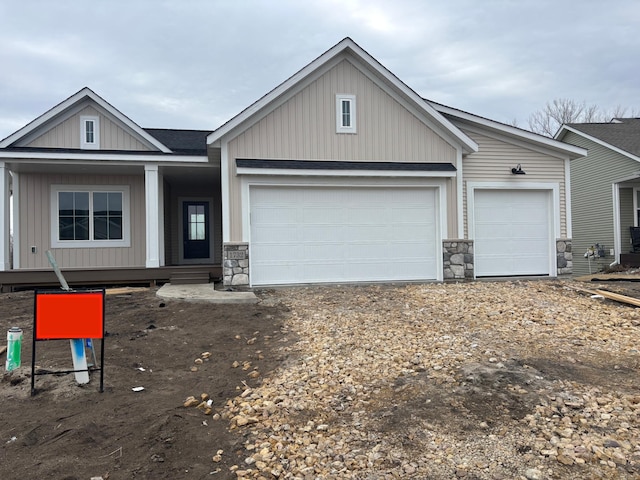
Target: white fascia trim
{"type": "Point", "coordinates": [566, 128]}
{"type": "Point", "coordinates": [345, 45]}
{"type": "Point", "coordinates": [224, 192]}
{"type": "Point", "coordinates": [16, 220]}
{"type": "Point", "coordinates": [286, 172]}
{"type": "Point", "coordinates": [565, 148]}
{"type": "Point", "coordinates": [77, 97]}
{"type": "Point", "coordinates": [519, 142]}
{"type": "Point", "coordinates": [554, 188]}
{"type": "Point", "coordinates": [567, 199]}
{"type": "Point", "coordinates": [18, 155]}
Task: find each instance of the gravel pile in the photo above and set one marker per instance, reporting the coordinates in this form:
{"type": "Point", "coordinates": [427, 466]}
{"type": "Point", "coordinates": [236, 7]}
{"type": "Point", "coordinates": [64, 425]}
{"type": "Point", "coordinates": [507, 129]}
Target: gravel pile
{"type": "Point", "coordinates": [529, 380]}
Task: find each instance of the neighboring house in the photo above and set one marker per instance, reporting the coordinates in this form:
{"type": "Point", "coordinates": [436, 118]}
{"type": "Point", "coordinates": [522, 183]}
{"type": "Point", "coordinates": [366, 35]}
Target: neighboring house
{"type": "Point", "coordinates": [340, 174]}
{"type": "Point", "coordinates": [605, 188]}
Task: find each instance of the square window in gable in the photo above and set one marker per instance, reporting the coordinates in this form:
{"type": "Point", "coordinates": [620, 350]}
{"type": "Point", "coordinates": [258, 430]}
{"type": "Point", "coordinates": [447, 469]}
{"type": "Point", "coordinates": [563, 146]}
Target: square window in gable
{"type": "Point", "coordinates": [89, 132]}
{"type": "Point", "coordinates": [345, 113]}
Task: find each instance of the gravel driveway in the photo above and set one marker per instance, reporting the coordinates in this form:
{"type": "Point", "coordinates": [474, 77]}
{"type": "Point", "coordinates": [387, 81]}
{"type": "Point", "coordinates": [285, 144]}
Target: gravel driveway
{"type": "Point", "coordinates": [483, 380]}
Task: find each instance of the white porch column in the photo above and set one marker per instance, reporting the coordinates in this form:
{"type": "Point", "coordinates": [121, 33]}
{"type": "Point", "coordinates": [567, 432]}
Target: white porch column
{"type": "Point", "coordinates": [152, 210]}
{"type": "Point", "coordinates": [5, 222]}
{"type": "Point", "coordinates": [617, 243]}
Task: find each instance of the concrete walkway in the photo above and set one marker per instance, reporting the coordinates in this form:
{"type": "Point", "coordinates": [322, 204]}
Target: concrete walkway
{"type": "Point", "coordinates": [204, 293]}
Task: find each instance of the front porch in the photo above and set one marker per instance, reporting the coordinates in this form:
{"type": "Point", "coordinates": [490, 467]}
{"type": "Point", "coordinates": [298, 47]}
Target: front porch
{"type": "Point", "coordinates": [28, 279]}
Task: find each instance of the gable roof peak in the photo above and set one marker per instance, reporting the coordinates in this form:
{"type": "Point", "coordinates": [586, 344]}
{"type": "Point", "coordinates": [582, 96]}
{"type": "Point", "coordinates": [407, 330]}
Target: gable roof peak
{"type": "Point", "coordinates": [252, 112]}
{"type": "Point", "coordinates": [70, 102]}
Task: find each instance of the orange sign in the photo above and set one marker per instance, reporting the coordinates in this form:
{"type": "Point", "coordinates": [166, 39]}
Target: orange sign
{"type": "Point", "coordinates": [69, 315]}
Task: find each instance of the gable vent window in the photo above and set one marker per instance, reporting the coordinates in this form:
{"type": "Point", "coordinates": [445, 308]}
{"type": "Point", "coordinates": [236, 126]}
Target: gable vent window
{"type": "Point", "coordinates": [345, 114]}
{"type": "Point", "coordinates": [89, 132]}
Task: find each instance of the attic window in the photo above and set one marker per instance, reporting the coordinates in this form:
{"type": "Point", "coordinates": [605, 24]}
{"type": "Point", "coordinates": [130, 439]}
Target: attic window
{"type": "Point", "coordinates": [345, 113]}
{"type": "Point", "coordinates": [89, 132]}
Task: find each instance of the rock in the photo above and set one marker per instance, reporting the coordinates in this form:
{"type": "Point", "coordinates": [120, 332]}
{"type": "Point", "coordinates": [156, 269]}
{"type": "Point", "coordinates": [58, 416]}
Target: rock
{"type": "Point", "coordinates": [564, 459]}
{"type": "Point", "coordinates": [533, 474]}
{"type": "Point", "coordinates": [191, 401]}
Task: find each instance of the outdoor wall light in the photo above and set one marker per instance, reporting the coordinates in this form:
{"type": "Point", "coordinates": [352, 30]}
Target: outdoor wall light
{"type": "Point", "coordinates": [517, 170]}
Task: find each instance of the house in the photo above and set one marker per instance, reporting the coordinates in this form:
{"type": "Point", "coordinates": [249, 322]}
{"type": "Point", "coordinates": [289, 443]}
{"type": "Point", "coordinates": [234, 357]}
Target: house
{"type": "Point", "coordinates": [111, 200]}
{"type": "Point", "coordinates": [604, 191]}
{"type": "Point", "coordinates": [342, 173]}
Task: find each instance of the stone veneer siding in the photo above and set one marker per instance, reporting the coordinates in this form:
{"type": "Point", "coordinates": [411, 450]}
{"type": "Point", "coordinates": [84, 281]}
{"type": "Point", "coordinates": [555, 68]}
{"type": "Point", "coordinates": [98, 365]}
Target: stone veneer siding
{"type": "Point", "coordinates": [564, 256]}
{"type": "Point", "coordinates": [457, 259]}
{"type": "Point", "coordinates": [235, 264]}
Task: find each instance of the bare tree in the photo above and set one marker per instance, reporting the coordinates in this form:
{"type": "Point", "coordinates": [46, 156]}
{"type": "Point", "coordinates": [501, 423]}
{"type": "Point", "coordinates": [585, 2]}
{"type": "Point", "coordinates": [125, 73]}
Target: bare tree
{"type": "Point", "coordinates": [563, 110]}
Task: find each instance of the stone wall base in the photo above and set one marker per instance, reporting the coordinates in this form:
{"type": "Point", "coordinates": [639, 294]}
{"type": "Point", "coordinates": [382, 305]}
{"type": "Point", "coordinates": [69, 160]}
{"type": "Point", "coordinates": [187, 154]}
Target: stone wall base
{"type": "Point", "coordinates": [564, 256]}
{"type": "Point", "coordinates": [457, 256]}
{"type": "Point", "coordinates": [235, 264]}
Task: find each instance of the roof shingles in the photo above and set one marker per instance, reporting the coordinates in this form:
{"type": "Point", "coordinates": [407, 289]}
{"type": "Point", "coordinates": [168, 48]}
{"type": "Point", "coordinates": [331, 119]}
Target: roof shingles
{"type": "Point", "coordinates": [623, 133]}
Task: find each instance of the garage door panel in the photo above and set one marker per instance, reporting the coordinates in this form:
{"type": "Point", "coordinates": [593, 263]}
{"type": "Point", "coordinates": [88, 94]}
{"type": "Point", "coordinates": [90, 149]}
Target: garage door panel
{"type": "Point", "coordinates": [275, 233]}
{"type": "Point", "coordinates": [276, 253]}
{"type": "Point", "coordinates": [323, 215]}
{"type": "Point", "coordinates": [275, 214]}
{"type": "Point", "coordinates": [364, 233]}
{"type": "Point", "coordinates": [512, 231]}
{"type": "Point", "coordinates": [343, 234]}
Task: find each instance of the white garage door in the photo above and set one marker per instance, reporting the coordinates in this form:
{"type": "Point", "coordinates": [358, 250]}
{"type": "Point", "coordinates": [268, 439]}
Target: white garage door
{"type": "Point", "coordinates": [339, 234]}
{"type": "Point", "coordinates": [512, 232]}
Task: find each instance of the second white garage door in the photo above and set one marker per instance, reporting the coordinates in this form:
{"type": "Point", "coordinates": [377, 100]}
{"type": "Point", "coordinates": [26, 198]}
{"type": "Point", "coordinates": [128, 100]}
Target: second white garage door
{"type": "Point", "coordinates": [512, 232]}
{"type": "Point", "coordinates": [342, 234]}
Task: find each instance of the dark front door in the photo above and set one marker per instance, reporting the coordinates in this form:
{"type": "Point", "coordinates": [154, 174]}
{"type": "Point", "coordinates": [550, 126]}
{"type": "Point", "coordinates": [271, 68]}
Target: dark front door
{"type": "Point", "coordinates": [195, 219]}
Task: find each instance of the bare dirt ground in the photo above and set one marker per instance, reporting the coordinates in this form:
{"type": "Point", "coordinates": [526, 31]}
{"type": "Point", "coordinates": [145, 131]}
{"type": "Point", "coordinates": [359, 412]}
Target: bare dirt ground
{"type": "Point", "coordinates": [485, 380]}
{"type": "Point", "coordinates": [70, 432]}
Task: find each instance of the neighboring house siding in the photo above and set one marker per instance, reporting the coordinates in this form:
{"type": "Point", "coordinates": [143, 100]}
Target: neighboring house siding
{"type": "Point", "coordinates": [35, 224]}
{"type": "Point", "coordinates": [304, 128]}
{"type": "Point", "coordinates": [494, 161]}
{"type": "Point", "coordinates": [592, 178]}
{"type": "Point", "coordinates": [67, 134]}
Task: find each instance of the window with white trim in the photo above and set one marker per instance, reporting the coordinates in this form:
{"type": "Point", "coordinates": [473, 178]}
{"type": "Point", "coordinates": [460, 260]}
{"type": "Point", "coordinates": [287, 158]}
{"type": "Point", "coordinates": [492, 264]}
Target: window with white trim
{"type": "Point", "coordinates": [89, 132]}
{"type": "Point", "coordinates": [89, 216]}
{"type": "Point", "coordinates": [345, 113]}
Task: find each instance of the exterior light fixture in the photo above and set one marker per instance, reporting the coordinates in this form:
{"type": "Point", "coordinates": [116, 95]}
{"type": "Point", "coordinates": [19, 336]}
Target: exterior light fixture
{"type": "Point", "coordinates": [517, 170]}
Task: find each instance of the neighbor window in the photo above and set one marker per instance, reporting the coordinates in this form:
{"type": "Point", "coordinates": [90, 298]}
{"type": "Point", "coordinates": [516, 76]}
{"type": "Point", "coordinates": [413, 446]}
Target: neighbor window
{"type": "Point", "coordinates": [345, 113]}
{"type": "Point", "coordinates": [89, 132]}
{"type": "Point", "coordinates": [89, 216]}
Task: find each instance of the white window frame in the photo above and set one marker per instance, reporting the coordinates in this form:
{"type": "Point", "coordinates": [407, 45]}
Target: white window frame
{"type": "Point", "coordinates": [83, 132]}
{"type": "Point", "coordinates": [126, 223]}
{"type": "Point", "coordinates": [340, 127]}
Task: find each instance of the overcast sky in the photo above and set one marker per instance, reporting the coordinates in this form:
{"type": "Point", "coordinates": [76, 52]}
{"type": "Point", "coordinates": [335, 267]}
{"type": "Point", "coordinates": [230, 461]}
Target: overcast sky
{"type": "Point", "coordinates": [197, 63]}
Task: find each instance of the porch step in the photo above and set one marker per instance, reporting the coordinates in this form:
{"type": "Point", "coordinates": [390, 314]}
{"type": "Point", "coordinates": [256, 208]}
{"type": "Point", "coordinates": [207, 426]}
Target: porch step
{"type": "Point", "coordinates": [189, 277]}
